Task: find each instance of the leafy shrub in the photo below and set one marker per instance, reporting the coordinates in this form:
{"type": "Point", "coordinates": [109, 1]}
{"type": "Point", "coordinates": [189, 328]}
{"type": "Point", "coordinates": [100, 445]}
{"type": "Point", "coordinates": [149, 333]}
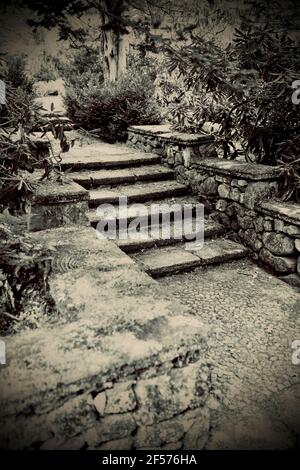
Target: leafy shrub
{"type": "Point", "coordinates": [247, 90]}
{"type": "Point", "coordinates": [82, 65]}
{"type": "Point", "coordinates": [108, 109]}
{"type": "Point", "coordinates": [25, 296]}
{"type": "Point", "coordinates": [20, 118]}
{"type": "Point", "coordinates": [16, 74]}
{"type": "Point", "coordinates": [47, 72]}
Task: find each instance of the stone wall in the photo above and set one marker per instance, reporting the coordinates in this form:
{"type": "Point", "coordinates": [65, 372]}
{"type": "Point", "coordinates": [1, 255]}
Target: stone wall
{"type": "Point", "coordinates": [55, 204]}
{"type": "Point", "coordinates": [97, 373]}
{"type": "Point", "coordinates": [160, 407]}
{"type": "Point", "coordinates": [235, 193]}
{"type": "Point", "coordinates": [177, 150]}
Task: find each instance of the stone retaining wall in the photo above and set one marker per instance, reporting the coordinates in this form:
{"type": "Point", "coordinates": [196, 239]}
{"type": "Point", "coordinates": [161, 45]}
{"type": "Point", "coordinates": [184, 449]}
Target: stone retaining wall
{"type": "Point", "coordinates": [160, 407]}
{"type": "Point", "coordinates": [97, 373]}
{"type": "Point", "coordinates": [176, 149]}
{"type": "Point", "coordinates": [235, 193]}
{"type": "Point", "coordinates": [57, 203]}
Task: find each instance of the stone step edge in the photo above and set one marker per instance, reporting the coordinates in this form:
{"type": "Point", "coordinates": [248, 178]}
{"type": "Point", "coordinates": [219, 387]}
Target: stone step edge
{"type": "Point", "coordinates": [179, 190]}
{"type": "Point", "coordinates": [189, 266]}
{"type": "Point", "coordinates": [94, 218]}
{"type": "Point", "coordinates": [90, 182]}
{"type": "Point", "coordinates": [134, 246]}
{"type": "Point", "coordinates": [110, 164]}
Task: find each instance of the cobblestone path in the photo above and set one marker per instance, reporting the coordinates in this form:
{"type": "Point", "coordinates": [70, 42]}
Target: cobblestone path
{"type": "Point", "coordinates": [255, 400]}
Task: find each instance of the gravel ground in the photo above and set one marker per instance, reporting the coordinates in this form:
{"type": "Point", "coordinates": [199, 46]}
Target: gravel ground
{"type": "Point", "coordinates": [254, 318]}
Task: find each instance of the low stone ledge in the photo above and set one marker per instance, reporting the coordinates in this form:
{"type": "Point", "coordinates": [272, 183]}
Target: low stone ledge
{"type": "Point", "coordinates": [53, 192]}
{"type": "Point", "coordinates": [89, 373]}
{"type": "Point", "coordinates": [270, 229]}
{"type": "Point", "coordinates": [165, 133]}
{"type": "Point", "coordinates": [239, 170]}
{"type": "Point", "coordinates": [287, 211]}
{"type": "Point", "coordinates": [177, 150]}
{"type": "Point", "coordinates": [54, 204]}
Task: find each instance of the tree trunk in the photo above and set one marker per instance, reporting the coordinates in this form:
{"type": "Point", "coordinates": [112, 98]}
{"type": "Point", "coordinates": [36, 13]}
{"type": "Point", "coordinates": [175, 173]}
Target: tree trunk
{"type": "Point", "coordinates": [115, 42]}
{"type": "Point", "coordinates": [115, 50]}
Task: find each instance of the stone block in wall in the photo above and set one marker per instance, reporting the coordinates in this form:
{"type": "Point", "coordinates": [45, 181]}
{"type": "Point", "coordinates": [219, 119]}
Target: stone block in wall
{"type": "Point", "coordinates": [120, 398]}
{"type": "Point", "coordinates": [278, 225]}
{"type": "Point", "coordinates": [186, 155]}
{"type": "Point", "coordinates": [73, 417]}
{"type": "Point", "coordinates": [291, 279]}
{"type": "Point", "coordinates": [280, 264]}
{"type": "Point", "coordinates": [165, 396]}
{"type": "Point", "coordinates": [192, 426]}
{"type": "Point", "coordinates": [239, 183]}
{"type": "Point", "coordinates": [178, 158]}
{"type": "Point", "coordinates": [197, 435]}
{"type": "Point", "coordinates": [56, 204]}
{"type": "Point", "coordinates": [298, 265]}
{"type": "Point", "coordinates": [224, 190]}
{"type": "Point", "coordinates": [278, 243]}
{"type": "Point", "coordinates": [251, 240]}
{"type": "Point", "coordinates": [268, 224]}
{"type": "Point", "coordinates": [209, 186]}
{"type": "Point", "coordinates": [117, 444]}
{"type": "Point", "coordinates": [157, 434]}
{"type": "Point", "coordinates": [22, 431]}
{"type": "Point", "coordinates": [221, 205]}
{"type": "Point", "coordinates": [222, 218]}
{"type": "Point", "coordinates": [292, 230]}
{"type": "Point", "coordinates": [100, 403]}
{"type": "Point", "coordinates": [245, 222]}
{"type": "Point", "coordinates": [113, 427]}
{"type": "Point", "coordinates": [258, 191]}
{"type": "Point", "coordinates": [234, 209]}
{"type": "Point", "coordinates": [297, 245]}
{"type": "Point", "coordinates": [44, 216]}
{"type": "Point", "coordinates": [222, 179]}
{"type": "Point", "coordinates": [235, 194]}
{"type": "Point", "coordinates": [258, 224]}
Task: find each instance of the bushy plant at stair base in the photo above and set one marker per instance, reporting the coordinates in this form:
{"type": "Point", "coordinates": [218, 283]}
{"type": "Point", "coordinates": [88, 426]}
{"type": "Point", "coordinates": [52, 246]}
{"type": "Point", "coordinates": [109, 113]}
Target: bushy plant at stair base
{"type": "Point", "coordinates": [108, 109]}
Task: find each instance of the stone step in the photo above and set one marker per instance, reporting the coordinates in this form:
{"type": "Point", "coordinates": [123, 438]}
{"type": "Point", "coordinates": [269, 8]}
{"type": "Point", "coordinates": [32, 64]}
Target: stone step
{"type": "Point", "coordinates": [166, 207]}
{"type": "Point", "coordinates": [98, 161]}
{"type": "Point", "coordinates": [137, 192]}
{"type": "Point", "coordinates": [170, 260]}
{"type": "Point", "coordinates": [176, 234]}
{"type": "Point", "coordinates": [90, 179]}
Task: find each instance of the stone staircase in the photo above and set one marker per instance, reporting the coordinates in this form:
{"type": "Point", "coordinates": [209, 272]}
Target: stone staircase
{"type": "Point", "coordinates": [143, 179]}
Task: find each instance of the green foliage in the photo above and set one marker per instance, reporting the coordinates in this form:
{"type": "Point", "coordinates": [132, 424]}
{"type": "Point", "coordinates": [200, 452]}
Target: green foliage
{"type": "Point", "coordinates": [47, 72]}
{"type": "Point", "coordinates": [247, 90]}
{"type": "Point", "coordinates": [108, 109]}
{"type": "Point", "coordinates": [83, 65]}
{"type": "Point", "coordinates": [16, 74]}
{"type": "Point", "coordinates": [20, 154]}
{"type": "Point", "coordinates": [24, 291]}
